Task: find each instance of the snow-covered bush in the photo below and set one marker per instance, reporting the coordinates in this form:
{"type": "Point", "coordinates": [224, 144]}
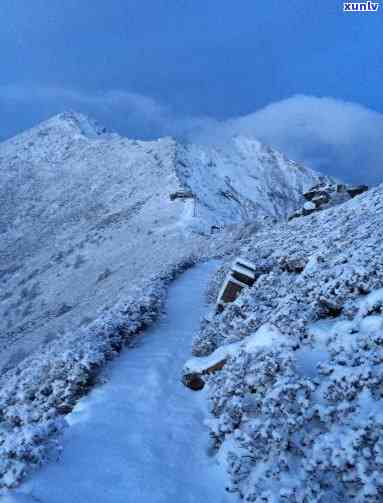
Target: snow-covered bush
{"type": "Point", "coordinates": [302, 420]}
{"type": "Point", "coordinates": [44, 387]}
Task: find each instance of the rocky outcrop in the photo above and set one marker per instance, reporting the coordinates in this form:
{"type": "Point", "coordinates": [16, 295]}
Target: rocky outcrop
{"type": "Point", "coordinates": [324, 195]}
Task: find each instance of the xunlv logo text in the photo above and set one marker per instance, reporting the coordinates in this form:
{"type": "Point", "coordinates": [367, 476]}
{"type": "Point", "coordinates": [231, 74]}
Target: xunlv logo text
{"type": "Point", "coordinates": [360, 6]}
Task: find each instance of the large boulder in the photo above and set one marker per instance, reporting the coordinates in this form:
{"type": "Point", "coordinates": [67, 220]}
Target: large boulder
{"type": "Point", "coordinates": [356, 191]}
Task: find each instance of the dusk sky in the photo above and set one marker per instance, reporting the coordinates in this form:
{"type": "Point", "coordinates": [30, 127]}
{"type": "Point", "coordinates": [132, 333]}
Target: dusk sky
{"type": "Point", "coordinates": [301, 75]}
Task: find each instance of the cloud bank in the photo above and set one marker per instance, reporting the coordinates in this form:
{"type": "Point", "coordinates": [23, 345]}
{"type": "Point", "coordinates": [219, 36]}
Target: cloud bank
{"type": "Point", "coordinates": [336, 137]}
{"type": "Point", "coordinates": [332, 136]}
{"type": "Point", "coordinates": [129, 113]}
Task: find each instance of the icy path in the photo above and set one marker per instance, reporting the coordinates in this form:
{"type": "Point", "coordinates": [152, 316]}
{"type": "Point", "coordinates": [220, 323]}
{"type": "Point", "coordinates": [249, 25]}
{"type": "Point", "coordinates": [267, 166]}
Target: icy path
{"type": "Point", "coordinates": [140, 438]}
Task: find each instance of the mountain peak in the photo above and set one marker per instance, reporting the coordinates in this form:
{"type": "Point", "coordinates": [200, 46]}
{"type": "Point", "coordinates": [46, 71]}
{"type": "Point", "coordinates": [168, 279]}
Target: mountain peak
{"type": "Point", "coordinates": [77, 121]}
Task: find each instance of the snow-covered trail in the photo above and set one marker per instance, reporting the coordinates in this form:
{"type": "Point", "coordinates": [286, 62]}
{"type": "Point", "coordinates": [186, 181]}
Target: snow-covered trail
{"type": "Point", "coordinates": [140, 438]}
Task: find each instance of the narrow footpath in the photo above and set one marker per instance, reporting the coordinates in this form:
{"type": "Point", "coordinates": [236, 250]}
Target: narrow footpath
{"type": "Point", "coordinates": [140, 438]}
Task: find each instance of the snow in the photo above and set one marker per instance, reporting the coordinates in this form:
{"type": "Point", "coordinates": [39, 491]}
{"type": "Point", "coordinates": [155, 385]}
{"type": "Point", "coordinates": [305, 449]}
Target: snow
{"type": "Point", "coordinates": [309, 206]}
{"type": "Point", "coordinates": [372, 301]}
{"type": "Point", "coordinates": [267, 335]}
{"type": "Point", "coordinates": [141, 436]}
{"type": "Point", "coordinates": [312, 265]}
{"type": "Point", "coordinates": [242, 180]}
{"type": "Point", "coordinates": [203, 363]}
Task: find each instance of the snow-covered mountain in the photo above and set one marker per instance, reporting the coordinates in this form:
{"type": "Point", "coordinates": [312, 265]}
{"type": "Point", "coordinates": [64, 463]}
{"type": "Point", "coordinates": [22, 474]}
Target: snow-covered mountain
{"type": "Point", "coordinates": [85, 215]}
{"type": "Point", "coordinates": [241, 180]}
{"type": "Point", "coordinates": [92, 227]}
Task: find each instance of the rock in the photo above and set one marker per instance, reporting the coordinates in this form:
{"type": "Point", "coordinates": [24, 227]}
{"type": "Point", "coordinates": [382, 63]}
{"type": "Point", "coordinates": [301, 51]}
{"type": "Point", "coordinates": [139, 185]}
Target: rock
{"type": "Point", "coordinates": [296, 214]}
{"type": "Point", "coordinates": [196, 368]}
{"type": "Point", "coordinates": [193, 381]}
{"type": "Point", "coordinates": [181, 194]}
{"type": "Point", "coordinates": [305, 212]}
{"type": "Point", "coordinates": [356, 191]}
{"type": "Point", "coordinates": [309, 195]}
{"type": "Point", "coordinates": [331, 307]}
{"type": "Point", "coordinates": [292, 264]}
{"type": "Point", "coordinates": [325, 195]}
{"type": "Point", "coordinates": [64, 409]}
{"type": "Point", "coordinates": [321, 199]}
{"type": "Point", "coordinates": [315, 192]}
{"type": "Point", "coordinates": [340, 187]}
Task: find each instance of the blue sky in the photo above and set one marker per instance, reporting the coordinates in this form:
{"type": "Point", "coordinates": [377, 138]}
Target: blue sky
{"type": "Point", "coordinates": [153, 67]}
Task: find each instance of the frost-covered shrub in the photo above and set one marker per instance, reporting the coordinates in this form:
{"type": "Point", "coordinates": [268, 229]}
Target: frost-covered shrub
{"type": "Point", "coordinates": [45, 386]}
{"type": "Point", "coordinates": [302, 421]}
{"type": "Point", "coordinates": [41, 389]}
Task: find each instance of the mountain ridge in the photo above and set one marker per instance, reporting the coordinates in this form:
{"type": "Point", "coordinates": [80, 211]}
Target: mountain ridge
{"type": "Point", "coordinates": [92, 232]}
{"type": "Point", "coordinates": [79, 203]}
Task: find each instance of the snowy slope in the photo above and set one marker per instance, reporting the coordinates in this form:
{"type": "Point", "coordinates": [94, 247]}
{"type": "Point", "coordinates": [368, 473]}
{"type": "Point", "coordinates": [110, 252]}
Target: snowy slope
{"type": "Point", "coordinates": [299, 417]}
{"type": "Point", "coordinates": [242, 179]}
{"type": "Point", "coordinates": [86, 214]}
{"type": "Point", "coordinates": [83, 217]}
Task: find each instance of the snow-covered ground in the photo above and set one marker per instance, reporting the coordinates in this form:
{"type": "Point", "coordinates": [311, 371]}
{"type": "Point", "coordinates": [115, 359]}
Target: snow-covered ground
{"type": "Point", "coordinates": [140, 438]}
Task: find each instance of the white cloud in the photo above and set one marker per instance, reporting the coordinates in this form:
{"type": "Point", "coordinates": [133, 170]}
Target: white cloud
{"type": "Point", "coordinates": [336, 137]}
{"type": "Point", "coordinates": [136, 114]}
